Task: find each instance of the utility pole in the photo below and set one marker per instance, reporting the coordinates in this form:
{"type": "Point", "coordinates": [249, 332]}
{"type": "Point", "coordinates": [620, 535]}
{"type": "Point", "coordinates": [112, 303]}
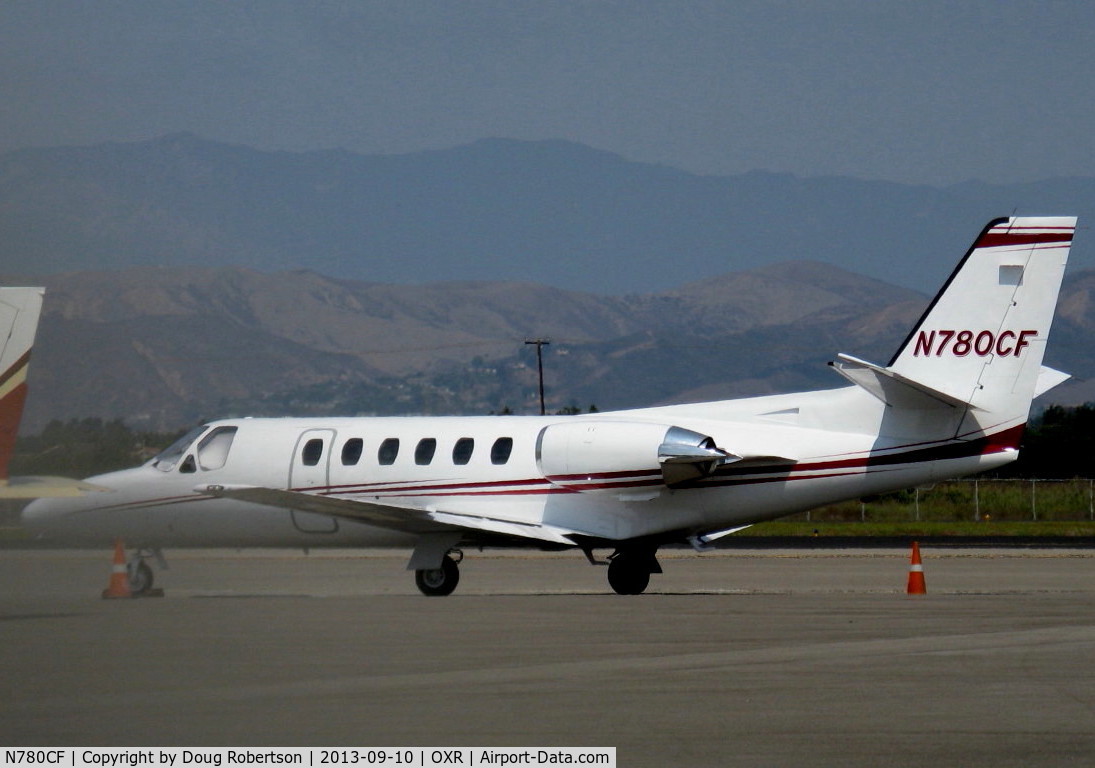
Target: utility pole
{"type": "Point", "coordinates": [540, 365]}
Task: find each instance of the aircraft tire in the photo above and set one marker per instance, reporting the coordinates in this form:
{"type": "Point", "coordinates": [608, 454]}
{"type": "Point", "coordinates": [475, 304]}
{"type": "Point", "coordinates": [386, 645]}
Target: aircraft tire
{"type": "Point", "coordinates": [140, 577]}
{"type": "Point", "coordinates": [627, 576]}
{"type": "Point", "coordinates": [438, 582]}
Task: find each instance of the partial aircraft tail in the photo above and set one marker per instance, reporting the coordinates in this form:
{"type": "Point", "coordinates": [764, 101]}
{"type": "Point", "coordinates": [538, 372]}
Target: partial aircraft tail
{"type": "Point", "coordinates": [20, 309]}
{"type": "Point", "coordinates": [979, 345]}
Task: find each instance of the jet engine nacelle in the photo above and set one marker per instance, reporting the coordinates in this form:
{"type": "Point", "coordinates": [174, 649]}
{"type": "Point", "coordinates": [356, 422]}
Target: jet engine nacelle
{"type": "Point", "coordinates": [619, 456]}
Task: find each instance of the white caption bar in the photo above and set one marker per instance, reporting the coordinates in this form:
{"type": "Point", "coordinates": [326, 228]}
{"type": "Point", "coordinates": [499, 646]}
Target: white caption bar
{"type": "Point", "coordinates": [423, 757]}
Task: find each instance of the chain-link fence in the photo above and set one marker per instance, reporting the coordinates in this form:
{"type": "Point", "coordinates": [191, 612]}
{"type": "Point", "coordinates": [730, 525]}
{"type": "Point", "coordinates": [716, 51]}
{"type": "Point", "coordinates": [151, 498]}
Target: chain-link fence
{"type": "Point", "coordinates": [975, 499]}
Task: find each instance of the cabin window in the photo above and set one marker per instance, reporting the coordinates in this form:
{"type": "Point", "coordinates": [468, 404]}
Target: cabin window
{"type": "Point", "coordinates": [423, 452]}
{"type": "Point", "coordinates": [312, 453]}
{"type": "Point", "coordinates": [389, 449]}
{"type": "Point", "coordinates": [351, 451]}
{"type": "Point", "coordinates": [461, 452]}
{"type": "Point", "coordinates": [214, 447]}
{"type": "Point", "coordinates": [500, 451]}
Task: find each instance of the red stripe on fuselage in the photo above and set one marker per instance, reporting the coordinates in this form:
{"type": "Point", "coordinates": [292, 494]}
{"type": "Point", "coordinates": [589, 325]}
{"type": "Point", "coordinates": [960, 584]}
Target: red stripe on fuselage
{"type": "Point", "coordinates": [915, 453]}
{"type": "Point", "coordinates": [404, 485]}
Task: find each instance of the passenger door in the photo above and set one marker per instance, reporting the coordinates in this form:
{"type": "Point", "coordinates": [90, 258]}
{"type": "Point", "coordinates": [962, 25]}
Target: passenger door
{"type": "Point", "coordinates": [311, 468]}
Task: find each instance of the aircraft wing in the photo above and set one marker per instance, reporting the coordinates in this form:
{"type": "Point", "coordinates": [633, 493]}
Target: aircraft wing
{"type": "Point", "coordinates": [398, 518]}
{"type": "Point", "coordinates": [40, 487]}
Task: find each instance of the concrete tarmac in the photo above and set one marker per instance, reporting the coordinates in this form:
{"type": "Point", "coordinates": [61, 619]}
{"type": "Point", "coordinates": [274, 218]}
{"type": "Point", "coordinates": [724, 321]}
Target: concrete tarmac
{"type": "Point", "coordinates": [740, 657]}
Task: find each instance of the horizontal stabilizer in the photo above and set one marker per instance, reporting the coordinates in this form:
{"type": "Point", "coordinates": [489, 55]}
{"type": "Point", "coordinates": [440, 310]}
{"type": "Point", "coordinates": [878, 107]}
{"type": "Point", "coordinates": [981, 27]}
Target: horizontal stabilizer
{"type": "Point", "coordinates": [892, 388]}
{"type": "Point", "coordinates": [1048, 378]}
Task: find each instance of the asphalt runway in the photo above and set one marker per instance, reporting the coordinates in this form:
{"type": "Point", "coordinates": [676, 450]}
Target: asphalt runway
{"type": "Point", "coordinates": [811, 658]}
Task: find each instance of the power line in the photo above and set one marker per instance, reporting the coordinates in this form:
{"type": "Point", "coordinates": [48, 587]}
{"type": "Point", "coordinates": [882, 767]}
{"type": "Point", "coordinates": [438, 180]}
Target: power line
{"type": "Point", "coordinates": [540, 365]}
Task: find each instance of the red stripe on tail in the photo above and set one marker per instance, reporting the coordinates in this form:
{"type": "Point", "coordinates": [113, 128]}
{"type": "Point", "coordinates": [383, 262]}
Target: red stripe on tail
{"type": "Point", "coordinates": [11, 411]}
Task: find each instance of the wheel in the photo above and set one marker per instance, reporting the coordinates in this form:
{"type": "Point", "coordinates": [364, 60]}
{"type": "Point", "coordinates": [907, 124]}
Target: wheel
{"type": "Point", "coordinates": [140, 577]}
{"type": "Point", "coordinates": [438, 582]}
{"type": "Point", "coordinates": [628, 575]}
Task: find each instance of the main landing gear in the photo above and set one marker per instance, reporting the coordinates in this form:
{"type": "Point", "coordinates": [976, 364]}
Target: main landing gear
{"type": "Point", "coordinates": [629, 570]}
{"type": "Point", "coordinates": [438, 582]}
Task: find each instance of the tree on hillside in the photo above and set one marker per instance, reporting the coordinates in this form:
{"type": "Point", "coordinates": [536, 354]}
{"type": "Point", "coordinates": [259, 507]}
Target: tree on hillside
{"type": "Point", "coordinates": [84, 447]}
{"type": "Point", "coordinates": [1058, 444]}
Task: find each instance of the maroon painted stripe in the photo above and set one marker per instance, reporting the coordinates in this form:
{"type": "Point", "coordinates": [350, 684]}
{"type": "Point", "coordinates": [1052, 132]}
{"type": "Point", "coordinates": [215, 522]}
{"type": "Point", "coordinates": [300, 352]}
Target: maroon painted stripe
{"type": "Point", "coordinates": [15, 367]}
{"type": "Point", "coordinates": [424, 487]}
{"type": "Point", "coordinates": [593, 482]}
{"type": "Point", "coordinates": [994, 239]}
{"type": "Point", "coordinates": [142, 503]}
{"type": "Point", "coordinates": [999, 442]}
{"type": "Point", "coordinates": [527, 492]}
{"type": "Point", "coordinates": [404, 485]}
{"type": "Point", "coordinates": [913, 453]}
{"type": "Point", "coordinates": [605, 475]}
{"type": "Point", "coordinates": [11, 413]}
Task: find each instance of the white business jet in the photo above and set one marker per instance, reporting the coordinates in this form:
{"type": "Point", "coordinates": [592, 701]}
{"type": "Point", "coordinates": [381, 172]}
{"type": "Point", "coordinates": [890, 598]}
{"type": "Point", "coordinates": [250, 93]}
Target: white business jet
{"type": "Point", "coordinates": [953, 401]}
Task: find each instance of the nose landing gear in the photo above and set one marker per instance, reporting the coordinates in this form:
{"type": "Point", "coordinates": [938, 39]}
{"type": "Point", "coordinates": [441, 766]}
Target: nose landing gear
{"type": "Point", "coordinates": [140, 577]}
{"type": "Point", "coordinates": [133, 577]}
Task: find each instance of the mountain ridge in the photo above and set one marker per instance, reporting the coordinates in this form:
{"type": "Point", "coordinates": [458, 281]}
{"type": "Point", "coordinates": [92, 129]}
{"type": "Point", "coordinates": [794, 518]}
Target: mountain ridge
{"type": "Point", "coordinates": [165, 347]}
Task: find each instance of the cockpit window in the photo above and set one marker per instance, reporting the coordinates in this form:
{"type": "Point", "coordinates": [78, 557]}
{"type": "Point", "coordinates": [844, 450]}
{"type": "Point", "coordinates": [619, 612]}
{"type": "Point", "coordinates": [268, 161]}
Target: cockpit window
{"type": "Point", "coordinates": [166, 459]}
{"type": "Point", "coordinates": [213, 449]}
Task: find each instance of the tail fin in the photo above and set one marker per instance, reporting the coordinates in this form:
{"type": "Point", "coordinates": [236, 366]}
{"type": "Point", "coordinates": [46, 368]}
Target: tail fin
{"type": "Point", "coordinates": [982, 339]}
{"type": "Point", "coordinates": [20, 309]}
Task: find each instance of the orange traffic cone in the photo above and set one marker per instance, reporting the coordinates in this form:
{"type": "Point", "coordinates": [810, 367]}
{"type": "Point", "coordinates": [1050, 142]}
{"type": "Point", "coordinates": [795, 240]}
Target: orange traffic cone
{"type": "Point", "coordinates": [916, 573]}
{"type": "Point", "coordinates": [119, 577]}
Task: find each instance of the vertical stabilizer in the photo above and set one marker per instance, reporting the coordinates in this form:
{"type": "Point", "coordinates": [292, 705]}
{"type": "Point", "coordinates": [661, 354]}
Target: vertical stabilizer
{"type": "Point", "coordinates": [982, 339]}
{"type": "Point", "coordinates": [20, 309]}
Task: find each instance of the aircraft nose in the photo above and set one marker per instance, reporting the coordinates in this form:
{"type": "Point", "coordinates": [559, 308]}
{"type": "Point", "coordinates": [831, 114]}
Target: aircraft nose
{"type": "Point", "coordinates": [37, 514]}
{"type": "Point", "coordinates": [43, 514]}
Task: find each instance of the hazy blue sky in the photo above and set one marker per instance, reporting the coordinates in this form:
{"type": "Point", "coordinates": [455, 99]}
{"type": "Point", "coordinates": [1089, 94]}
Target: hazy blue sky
{"type": "Point", "coordinates": [926, 92]}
